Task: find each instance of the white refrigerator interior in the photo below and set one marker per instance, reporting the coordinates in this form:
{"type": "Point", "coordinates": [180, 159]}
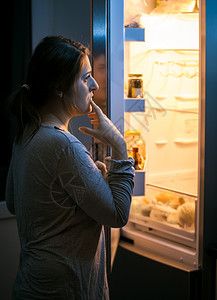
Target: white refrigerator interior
{"type": "Point", "coordinates": [165, 114]}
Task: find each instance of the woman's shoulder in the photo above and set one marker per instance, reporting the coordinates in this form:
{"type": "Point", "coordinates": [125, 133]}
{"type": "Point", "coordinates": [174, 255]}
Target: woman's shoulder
{"type": "Point", "coordinates": [53, 134]}
{"type": "Point", "coordinates": [54, 137]}
{"type": "Point", "coordinates": [60, 141]}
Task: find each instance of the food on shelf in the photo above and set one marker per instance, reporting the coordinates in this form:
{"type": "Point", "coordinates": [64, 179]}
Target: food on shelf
{"type": "Point", "coordinates": [164, 197]}
{"type": "Point", "coordinates": [170, 208]}
{"type": "Point", "coordinates": [173, 218]}
{"type": "Point", "coordinates": [170, 199]}
{"type": "Point", "coordinates": [175, 203]}
{"type": "Point", "coordinates": [146, 207]}
{"type": "Point", "coordinates": [186, 214]}
{"type": "Point", "coordinates": [141, 205]}
{"type": "Point", "coordinates": [161, 213]}
{"type": "Point", "coordinates": [146, 210]}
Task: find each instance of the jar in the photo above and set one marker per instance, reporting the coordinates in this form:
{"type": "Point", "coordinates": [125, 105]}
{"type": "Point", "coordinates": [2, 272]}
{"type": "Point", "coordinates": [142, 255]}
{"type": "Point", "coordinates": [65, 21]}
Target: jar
{"type": "Point", "coordinates": [133, 139]}
{"type": "Point", "coordinates": [135, 86]}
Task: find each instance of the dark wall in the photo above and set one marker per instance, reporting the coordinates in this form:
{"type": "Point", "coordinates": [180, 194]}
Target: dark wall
{"type": "Point", "coordinates": [6, 46]}
{"type": "Point", "coordinates": [16, 51]}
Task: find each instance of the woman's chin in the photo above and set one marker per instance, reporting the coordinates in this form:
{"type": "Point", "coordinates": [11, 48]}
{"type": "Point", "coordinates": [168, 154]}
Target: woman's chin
{"type": "Point", "coordinates": [87, 111]}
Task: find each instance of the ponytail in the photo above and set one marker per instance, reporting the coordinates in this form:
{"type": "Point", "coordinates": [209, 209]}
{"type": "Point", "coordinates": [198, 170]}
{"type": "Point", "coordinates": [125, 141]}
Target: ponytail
{"type": "Point", "coordinates": [24, 111]}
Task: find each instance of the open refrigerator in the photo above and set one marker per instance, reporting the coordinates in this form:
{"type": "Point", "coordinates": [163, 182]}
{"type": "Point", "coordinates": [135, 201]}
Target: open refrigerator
{"type": "Point", "coordinates": [163, 215]}
{"type": "Point", "coordinates": [162, 47]}
{"type": "Point", "coordinates": [154, 65]}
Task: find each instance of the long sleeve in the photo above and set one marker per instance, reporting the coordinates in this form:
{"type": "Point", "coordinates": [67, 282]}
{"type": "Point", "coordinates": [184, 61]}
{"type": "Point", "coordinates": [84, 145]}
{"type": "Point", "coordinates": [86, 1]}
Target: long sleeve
{"type": "Point", "coordinates": [108, 200]}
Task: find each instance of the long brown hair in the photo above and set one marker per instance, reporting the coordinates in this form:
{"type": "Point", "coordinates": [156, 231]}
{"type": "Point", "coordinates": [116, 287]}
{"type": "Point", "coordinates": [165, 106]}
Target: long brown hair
{"type": "Point", "coordinates": [54, 66]}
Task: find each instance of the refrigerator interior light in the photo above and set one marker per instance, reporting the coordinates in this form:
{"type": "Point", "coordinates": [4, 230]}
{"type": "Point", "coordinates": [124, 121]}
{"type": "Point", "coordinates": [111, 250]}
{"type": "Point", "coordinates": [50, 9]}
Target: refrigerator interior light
{"type": "Point", "coordinates": [171, 31]}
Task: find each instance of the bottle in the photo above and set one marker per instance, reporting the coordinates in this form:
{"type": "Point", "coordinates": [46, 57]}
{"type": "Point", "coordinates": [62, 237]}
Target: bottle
{"type": "Point", "coordinates": [130, 137]}
{"type": "Point", "coordinates": [133, 139]}
{"type": "Point", "coordinates": [135, 86]}
{"type": "Point", "coordinates": [137, 159]}
{"type": "Point", "coordinates": [142, 147]}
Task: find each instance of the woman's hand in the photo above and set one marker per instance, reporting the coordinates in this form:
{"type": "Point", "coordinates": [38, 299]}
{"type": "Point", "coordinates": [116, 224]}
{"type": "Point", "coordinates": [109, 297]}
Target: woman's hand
{"type": "Point", "coordinates": [106, 132]}
{"type": "Point", "coordinates": [102, 167]}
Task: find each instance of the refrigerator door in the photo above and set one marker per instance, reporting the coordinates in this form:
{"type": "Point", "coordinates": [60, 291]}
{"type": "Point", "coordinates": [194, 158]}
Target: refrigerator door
{"type": "Point", "coordinates": [103, 72]}
{"type": "Point", "coordinates": [115, 83]}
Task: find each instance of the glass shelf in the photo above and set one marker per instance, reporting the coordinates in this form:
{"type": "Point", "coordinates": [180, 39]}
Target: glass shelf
{"type": "Point", "coordinates": [134, 104]}
{"type": "Point", "coordinates": [134, 34]}
{"type": "Point", "coordinates": [139, 183]}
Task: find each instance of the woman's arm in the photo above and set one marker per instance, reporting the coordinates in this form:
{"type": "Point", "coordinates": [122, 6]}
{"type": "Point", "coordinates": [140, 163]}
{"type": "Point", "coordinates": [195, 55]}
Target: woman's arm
{"type": "Point", "coordinates": [107, 201]}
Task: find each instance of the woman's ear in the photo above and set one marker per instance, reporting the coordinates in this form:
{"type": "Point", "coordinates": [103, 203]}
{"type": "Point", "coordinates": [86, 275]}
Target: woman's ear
{"type": "Point", "coordinates": [60, 94]}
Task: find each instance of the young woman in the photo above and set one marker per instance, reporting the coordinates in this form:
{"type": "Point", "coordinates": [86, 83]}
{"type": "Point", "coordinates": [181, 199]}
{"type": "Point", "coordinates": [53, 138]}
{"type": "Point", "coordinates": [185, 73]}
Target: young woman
{"type": "Point", "coordinates": [58, 194]}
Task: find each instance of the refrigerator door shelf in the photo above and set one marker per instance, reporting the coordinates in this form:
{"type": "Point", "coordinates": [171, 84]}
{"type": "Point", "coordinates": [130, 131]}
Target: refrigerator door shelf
{"type": "Point", "coordinates": [139, 183]}
{"type": "Point", "coordinates": [160, 249]}
{"type": "Point", "coordinates": [134, 105]}
{"type": "Point", "coordinates": [166, 214]}
{"type": "Point", "coordinates": [170, 232]}
{"type": "Point", "coordinates": [134, 34]}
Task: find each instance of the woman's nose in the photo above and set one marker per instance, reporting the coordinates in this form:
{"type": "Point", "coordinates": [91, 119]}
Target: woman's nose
{"type": "Point", "coordinates": [94, 85]}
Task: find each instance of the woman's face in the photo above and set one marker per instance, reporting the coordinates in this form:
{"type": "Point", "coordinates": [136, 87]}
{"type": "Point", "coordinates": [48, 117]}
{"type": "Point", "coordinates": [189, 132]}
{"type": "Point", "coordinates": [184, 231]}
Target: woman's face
{"type": "Point", "coordinates": [84, 87]}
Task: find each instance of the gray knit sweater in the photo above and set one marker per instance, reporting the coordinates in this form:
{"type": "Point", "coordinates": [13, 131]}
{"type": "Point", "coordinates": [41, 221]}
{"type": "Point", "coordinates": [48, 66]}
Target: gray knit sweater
{"type": "Point", "coordinates": [61, 202]}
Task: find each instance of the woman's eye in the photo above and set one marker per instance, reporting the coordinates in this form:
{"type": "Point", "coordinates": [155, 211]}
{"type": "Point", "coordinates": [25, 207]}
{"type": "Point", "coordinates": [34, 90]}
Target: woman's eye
{"type": "Point", "coordinates": [86, 78]}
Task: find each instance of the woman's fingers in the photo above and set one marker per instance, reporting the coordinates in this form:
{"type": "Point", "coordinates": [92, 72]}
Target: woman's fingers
{"type": "Point", "coordinates": [97, 116]}
{"type": "Point", "coordinates": [92, 115]}
{"type": "Point", "coordinates": [97, 109]}
{"type": "Point", "coordinates": [103, 130]}
{"type": "Point", "coordinates": [88, 131]}
{"type": "Point", "coordinates": [95, 122]}
{"type": "Point", "coordinates": [101, 166]}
